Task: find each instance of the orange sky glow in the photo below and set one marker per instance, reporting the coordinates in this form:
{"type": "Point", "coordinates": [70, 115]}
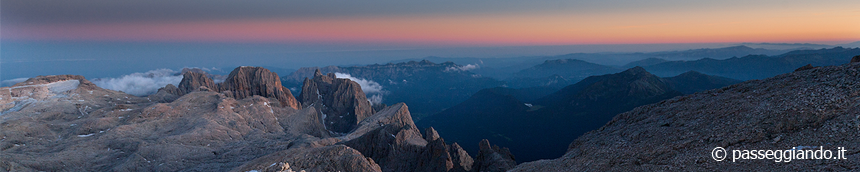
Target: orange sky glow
{"type": "Point", "coordinates": [482, 30]}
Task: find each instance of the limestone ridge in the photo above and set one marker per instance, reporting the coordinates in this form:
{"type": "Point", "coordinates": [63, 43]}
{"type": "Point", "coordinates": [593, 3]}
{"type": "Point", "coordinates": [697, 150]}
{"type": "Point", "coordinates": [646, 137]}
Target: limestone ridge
{"type": "Point", "coordinates": [242, 82]}
{"type": "Point", "coordinates": [340, 102]}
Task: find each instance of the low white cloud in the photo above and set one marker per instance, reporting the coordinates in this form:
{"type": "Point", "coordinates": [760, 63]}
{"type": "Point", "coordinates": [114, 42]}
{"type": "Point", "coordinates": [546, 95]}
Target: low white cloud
{"type": "Point", "coordinates": [371, 89]}
{"type": "Point", "coordinates": [368, 86]}
{"type": "Point", "coordinates": [140, 84]}
{"type": "Point", "coordinates": [375, 99]}
{"type": "Point", "coordinates": [462, 68]}
{"type": "Point", "coordinates": [10, 82]}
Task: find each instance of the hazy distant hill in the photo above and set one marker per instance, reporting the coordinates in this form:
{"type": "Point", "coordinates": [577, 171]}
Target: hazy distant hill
{"type": "Point", "coordinates": [787, 46]}
{"type": "Point", "coordinates": [851, 45]}
{"type": "Point", "coordinates": [645, 62]}
{"type": "Point", "coordinates": [504, 68]}
{"type": "Point", "coordinates": [692, 81]}
{"type": "Point", "coordinates": [718, 53]}
{"type": "Point", "coordinates": [553, 72]}
{"type": "Point", "coordinates": [757, 66]}
{"type": "Point", "coordinates": [536, 129]}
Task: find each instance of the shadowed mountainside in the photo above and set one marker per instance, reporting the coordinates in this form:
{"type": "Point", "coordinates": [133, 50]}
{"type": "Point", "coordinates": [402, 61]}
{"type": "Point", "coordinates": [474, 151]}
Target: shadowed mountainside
{"type": "Point", "coordinates": [801, 110]}
{"type": "Point", "coordinates": [541, 128]}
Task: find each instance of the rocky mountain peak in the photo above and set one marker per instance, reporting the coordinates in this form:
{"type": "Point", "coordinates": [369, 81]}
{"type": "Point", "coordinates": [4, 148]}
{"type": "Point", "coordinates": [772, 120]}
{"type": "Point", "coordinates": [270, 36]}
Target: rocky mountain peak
{"type": "Point", "coordinates": [241, 83]}
{"type": "Point", "coordinates": [638, 70]}
{"type": "Point", "coordinates": [192, 80]}
{"type": "Point", "coordinates": [248, 81]}
{"type": "Point", "coordinates": [317, 73]}
{"type": "Point", "coordinates": [855, 59]}
{"type": "Point", "coordinates": [493, 158]}
{"type": "Point", "coordinates": [634, 83]}
{"type": "Point", "coordinates": [430, 134]}
{"type": "Point", "coordinates": [341, 102]}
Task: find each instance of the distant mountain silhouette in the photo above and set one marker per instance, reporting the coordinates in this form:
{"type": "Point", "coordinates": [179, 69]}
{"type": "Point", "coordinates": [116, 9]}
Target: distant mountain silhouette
{"type": "Point", "coordinates": [756, 66]}
{"type": "Point", "coordinates": [645, 62]}
{"type": "Point", "coordinates": [505, 67]}
{"type": "Point", "coordinates": [562, 70]}
{"type": "Point", "coordinates": [717, 53]}
{"type": "Point", "coordinates": [851, 45]}
{"type": "Point", "coordinates": [692, 81]}
{"type": "Point", "coordinates": [555, 82]}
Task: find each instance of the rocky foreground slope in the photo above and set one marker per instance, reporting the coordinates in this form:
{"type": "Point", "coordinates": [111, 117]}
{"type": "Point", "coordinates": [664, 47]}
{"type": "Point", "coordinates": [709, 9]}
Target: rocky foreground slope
{"type": "Point", "coordinates": [66, 123]}
{"type": "Point", "coordinates": [811, 107]}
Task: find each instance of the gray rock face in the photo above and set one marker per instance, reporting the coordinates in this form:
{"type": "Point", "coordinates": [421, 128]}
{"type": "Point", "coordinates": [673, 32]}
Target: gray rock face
{"type": "Point", "coordinates": [241, 83]}
{"type": "Point", "coordinates": [246, 81]}
{"type": "Point", "coordinates": [802, 109]}
{"type": "Point", "coordinates": [855, 59]}
{"type": "Point", "coordinates": [341, 103]}
{"type": "Point", "coordinates": [493, 159]}
{"type": "Point", "coordinates": [462, 160]}
{"type": "Point", "coordinates": [170, 89]}
{"type": "Point", "coordinates": [392, 140]}
{"type": "Point", "coordinates": [166, 94]}
{"type": "Point", "coordinates": [193, 80]}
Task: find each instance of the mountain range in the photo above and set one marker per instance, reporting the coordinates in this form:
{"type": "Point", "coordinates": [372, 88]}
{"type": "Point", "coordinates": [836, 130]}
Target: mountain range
{"type": "Point", "coordinates": [811, 109]}
{"type": "Point", "coordinates": [503, 68]}
{"type": "Point", "coordinates": [756, 66]}
{"type": "Point", "coordinates": [247, 123]}
{"type": "Point", "coordinates": [561, 116]}
{"type": "Point", "coordinates": [250, 122]}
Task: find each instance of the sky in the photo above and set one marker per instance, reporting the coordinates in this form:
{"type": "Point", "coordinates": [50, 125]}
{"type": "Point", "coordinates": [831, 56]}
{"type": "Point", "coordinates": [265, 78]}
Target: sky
{"type": "Point", "coordinates": [439, 23]}
{"type": "Point", "coordinates": [110, 38]}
